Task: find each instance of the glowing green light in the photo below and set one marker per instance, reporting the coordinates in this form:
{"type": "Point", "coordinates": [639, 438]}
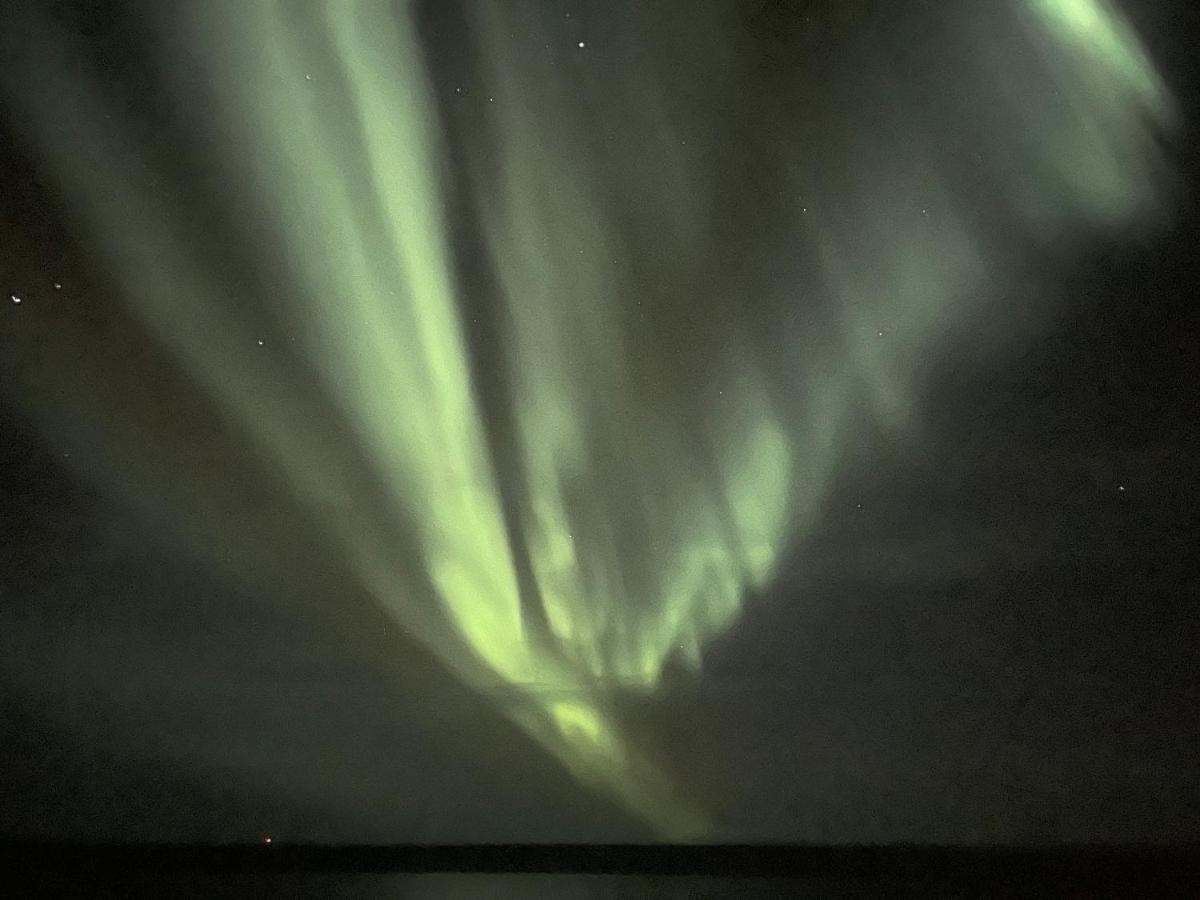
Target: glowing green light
{"type": "Point", "coordinates": [645, 529]}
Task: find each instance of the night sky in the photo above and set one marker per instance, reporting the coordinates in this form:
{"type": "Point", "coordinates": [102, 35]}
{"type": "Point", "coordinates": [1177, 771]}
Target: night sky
{"type": "Point", "coordinates": [731, 421]}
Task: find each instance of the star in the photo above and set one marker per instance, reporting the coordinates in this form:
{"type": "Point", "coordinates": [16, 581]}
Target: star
{"type": "Point", "coordinates": [15, 298]}
{"type": "Point", "coordinates": [581, 45]}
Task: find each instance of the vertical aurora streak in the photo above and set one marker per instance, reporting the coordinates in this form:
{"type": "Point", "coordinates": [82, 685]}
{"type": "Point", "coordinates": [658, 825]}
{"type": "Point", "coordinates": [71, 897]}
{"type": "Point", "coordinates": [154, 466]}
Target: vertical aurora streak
{"type": "Point", "coordinates": [657, 487]}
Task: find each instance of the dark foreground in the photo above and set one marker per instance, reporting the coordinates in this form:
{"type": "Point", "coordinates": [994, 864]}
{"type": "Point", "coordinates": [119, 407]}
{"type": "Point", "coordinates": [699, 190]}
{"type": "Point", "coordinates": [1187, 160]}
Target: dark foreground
{"type": "Point", "coordinates": [606, 870]}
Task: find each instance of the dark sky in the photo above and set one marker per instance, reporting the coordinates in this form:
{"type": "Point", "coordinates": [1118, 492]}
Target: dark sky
{"type": "Point", "coordinates": [987, 632]}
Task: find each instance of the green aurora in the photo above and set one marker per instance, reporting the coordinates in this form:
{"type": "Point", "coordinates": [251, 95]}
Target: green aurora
{"type": "Point", "coordinates": [594, 501]}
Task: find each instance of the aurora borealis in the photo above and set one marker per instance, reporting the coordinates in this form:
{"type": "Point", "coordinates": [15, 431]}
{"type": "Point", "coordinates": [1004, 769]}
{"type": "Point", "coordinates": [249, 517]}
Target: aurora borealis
{"type": "Point", "coordinates": [558, 328]}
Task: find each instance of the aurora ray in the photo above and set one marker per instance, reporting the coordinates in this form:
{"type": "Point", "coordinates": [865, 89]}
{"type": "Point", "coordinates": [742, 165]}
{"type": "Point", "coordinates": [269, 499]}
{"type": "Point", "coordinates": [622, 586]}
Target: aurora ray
{"type": "Point", "coordinates": [599, 500]}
